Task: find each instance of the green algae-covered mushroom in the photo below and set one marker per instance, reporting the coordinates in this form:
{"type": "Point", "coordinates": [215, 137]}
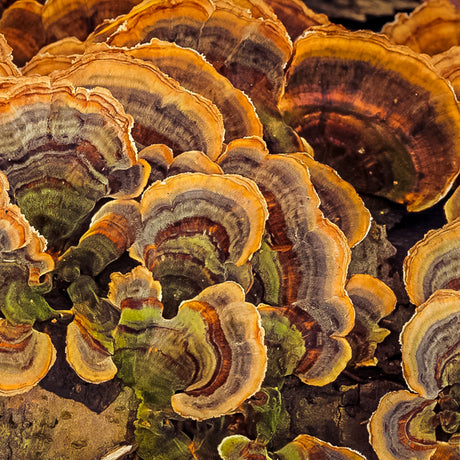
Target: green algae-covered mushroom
{"type": "Point", "coordinates": [202, 363]}
{"type": "Point", "coordinates": [51, 129]}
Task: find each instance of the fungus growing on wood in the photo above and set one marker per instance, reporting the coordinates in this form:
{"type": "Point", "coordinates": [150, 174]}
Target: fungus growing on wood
{"type": "Point", "coordinates": [159, 157]}
{"type": "Point", "coordinates": [23, 262]}
{"type": "Point", "coordinates": [382, 144]}
{"type": "Point", "coordinates": [430, 344]}
{"type": "Point", "coordinates": [432, 263]}
{"type": "Point", "coordinates": [433, 27]}
{"type": "Point", "coordinates": [27, 356]}
{"type": "Point", "coordinates": [202, 363]}
{"type": "Point", "coordinates": [193, 161]}
{"type": "Point", "coordinates": [402, 427]}
{"type": "Point", "coordinates": [51, 129]}
{"type": "Point", "coordinates": [299, 344]}
{"type": "Point", "coordinates": [163, 111]}
{"type": "Point", "coordinates": [372, 300]}
{"type": "Point", "coordinates": [340, 202]}
{"type": "Point", "coordinates": [21, 24]}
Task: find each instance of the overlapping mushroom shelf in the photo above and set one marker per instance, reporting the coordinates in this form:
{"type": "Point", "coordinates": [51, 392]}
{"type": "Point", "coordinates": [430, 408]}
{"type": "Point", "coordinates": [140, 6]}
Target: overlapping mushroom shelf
{"type": "Point", "coordinates": [181, 191]}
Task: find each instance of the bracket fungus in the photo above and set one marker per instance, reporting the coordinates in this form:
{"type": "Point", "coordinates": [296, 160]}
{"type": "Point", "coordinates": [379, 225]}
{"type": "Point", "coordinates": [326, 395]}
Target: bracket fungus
{"type": "Point", "coordinates": [372, 300]}
{"type": "Point", "coordinates": [387, 127]}
{"type": "Point", "coordinates": [432, 263]}
{"type": "Point", "coordinates": [86, 132]}
{"type": "Point", "coordinates": [431, 28]}
{"type": "Point", "coordinates": [27, 355]}
{"type": "Point", "coordinates": [303, 447]}
{"type": "Point", "coordinates": [7, 67]}
{"type": "Point", "coordinates": [202, 363]}
{"type": "Point", "coordinates": [301, 245]}
{"type": "Point", "coordinates": [422, 425]}
{"type": "Point", "coordinates": [448, 65]}
{"type": "Point", "coordinates": [163, 111]}
{"type": "Point", "coordinates": [430, 345]}
{"type": "Point", "coordinates": [195, 227]}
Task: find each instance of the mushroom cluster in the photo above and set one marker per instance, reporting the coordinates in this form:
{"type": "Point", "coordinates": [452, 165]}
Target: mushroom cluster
{"type": "Point", "coordinates": [182, 190]}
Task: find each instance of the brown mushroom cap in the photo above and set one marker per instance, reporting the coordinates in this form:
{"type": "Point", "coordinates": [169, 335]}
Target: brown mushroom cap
{"type": "Point", "coordinates": [372, 300]}
{"type": "Point", "coordinates": [21, 24]}
{"type": "Point", "coordinates": [163, 111]}
{"type": "Point", "coordinates": [62, 18]}
{"type": "Point", "coordinates": [296, 16]}
{"type": "Point", "coordinates": [432, 263]}
{"type": "Point", "coordinates": [401, 428]}
{"type": "Point", "coordinates": [88, 358]}
{"type": "Point", "coordinates": [193, 161]}
{"type": "Point", "coordinates": [433, 27]}
{"type": "Point", "coordinates": [379, 135]}
{"type": "Point", "coordinates": [430, 344]}
{"type": "Point", "coordinates": [27, 356]}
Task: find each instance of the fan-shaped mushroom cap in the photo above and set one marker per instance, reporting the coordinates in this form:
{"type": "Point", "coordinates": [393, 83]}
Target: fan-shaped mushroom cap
{"type": "Point", "coordinates": [432, 263]}
{"type": "Point", "coordinates": [401, 428]}
{"type": "Point", "coordinates": [66, 46]}
{"type": "Point", "coordinates": [305, 243]}
{"type": "Point", "coordinates": [380, 134]}
{"type": "Point", "coordinates": [298, 344]}
{"type": "Point", "coordinates": [27, 356]}
{"type": "Point", "coordinates": [86, 356]}
{"type": "Point", "coordinates": [430, 344]}
{"type": "Point", "coordinates": [373, 300]}
{"type": "Point", "coordinates": [340, 202]}
{"type": "Point", "coordinates": [62, 18]}
{"type": "Point", "coordinates": [228, 208]}
{"type": "Point", "coordinates": [7, 67]}
{"type": "Point", "coordinates": [51, 129]}
{"type": "Point", "coordinates": [239, 447]}
{"type": "Point", "coordinates": [306, 447]}
{"type": "Point", "coordinates": [433, 27]}
{"type": "Point", "coordinates": [194, 73]}
{"type": "Point", "coordinates": [213, 350]}
{"type": "Point", "coordinates": [296, 16]}
{"type": "Point", "coordinates": [21, 24]}
{"type": "Point", "coordinates": [163, 111]}
{"type": "Point", "coordinates": [448, 65]}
